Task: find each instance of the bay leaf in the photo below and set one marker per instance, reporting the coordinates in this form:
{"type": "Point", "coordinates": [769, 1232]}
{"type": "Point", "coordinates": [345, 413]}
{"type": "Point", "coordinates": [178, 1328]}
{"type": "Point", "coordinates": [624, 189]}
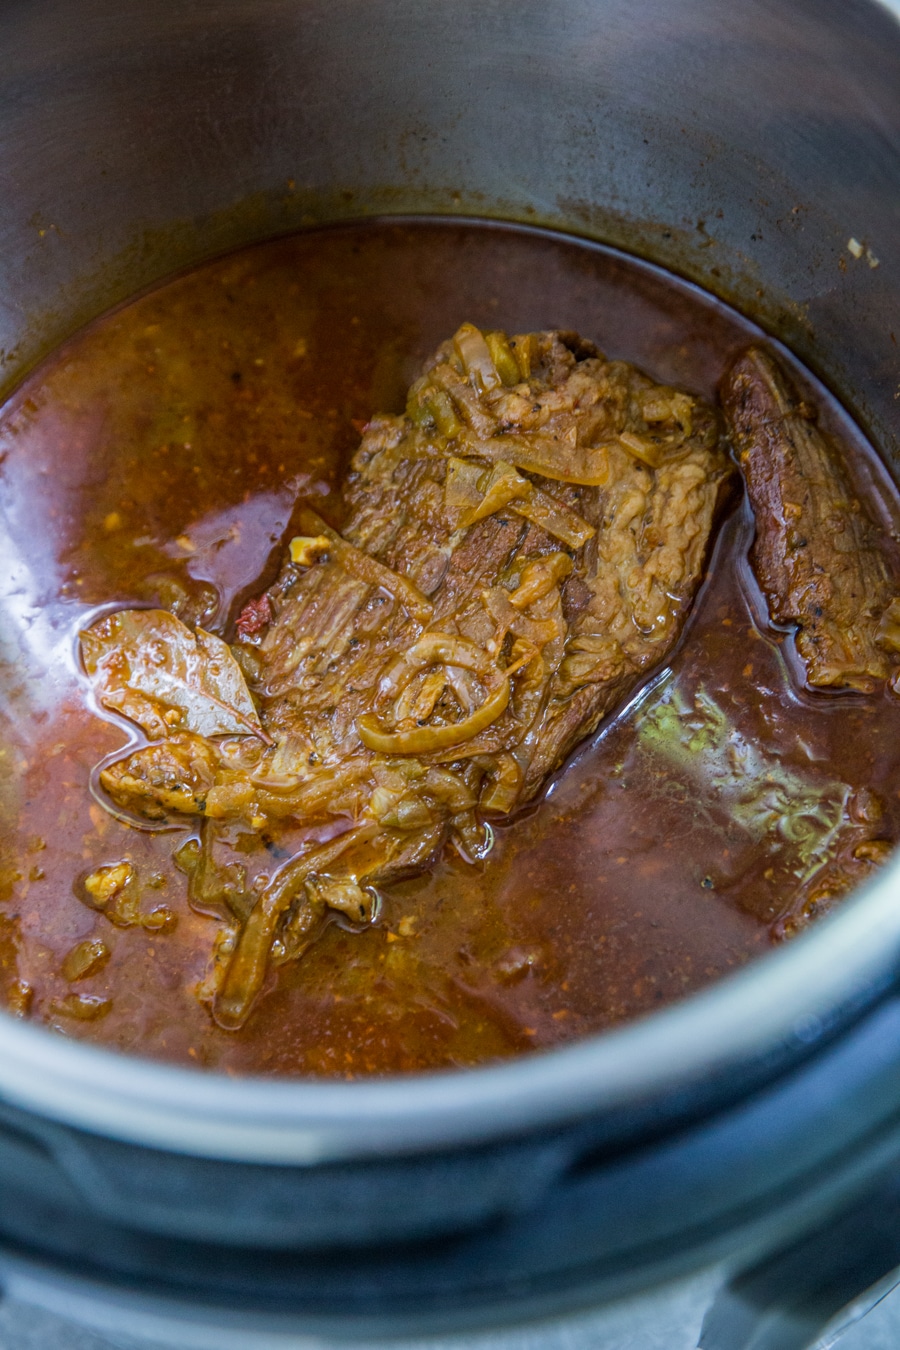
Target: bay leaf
{"type": "Point", "coordinates": [150, 667]}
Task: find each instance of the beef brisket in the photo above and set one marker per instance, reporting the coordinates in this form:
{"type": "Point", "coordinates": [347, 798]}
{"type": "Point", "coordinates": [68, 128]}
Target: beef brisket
{"type": "Point", "coordinates": [819, 556]}
{"type": "Point", "coordinates": [520, 550]}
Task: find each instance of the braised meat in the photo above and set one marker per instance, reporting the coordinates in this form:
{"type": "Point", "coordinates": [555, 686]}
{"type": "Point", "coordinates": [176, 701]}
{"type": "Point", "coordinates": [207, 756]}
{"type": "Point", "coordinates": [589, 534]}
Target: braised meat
{"type": "Point", "coordinates": [819, 557]}
{"type": "Point", "coordinates": [519, 550]}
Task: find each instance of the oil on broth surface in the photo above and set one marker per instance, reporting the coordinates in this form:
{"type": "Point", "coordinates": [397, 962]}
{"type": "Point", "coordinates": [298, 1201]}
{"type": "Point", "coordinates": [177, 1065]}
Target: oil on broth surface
{"type": "Point", "coordinates": [159, 455]}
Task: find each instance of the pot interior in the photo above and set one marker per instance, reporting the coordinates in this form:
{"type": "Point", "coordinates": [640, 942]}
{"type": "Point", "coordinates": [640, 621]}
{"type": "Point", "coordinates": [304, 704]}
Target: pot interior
{"type": "Point", "coordinates": [754, 153]}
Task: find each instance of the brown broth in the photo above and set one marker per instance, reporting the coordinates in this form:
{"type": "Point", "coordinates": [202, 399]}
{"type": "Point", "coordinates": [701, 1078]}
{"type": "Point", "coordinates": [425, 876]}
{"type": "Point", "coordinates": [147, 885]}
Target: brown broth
{"type": "Point", "coordinates": [168, 441]}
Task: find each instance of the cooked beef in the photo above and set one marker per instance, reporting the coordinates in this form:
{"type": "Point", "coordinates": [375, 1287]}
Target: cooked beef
{"type": "Point", "coordinates": [520, 549]}
{"type": "Point", "coordinates": [819, 557]}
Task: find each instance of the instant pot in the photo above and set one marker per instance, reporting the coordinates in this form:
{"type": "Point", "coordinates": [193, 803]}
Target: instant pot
{"type": "Point", "coordinates": [752, 149]}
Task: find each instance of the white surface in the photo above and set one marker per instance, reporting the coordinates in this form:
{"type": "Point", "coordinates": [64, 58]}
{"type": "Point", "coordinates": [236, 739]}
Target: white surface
{"type": "Point", "coordinates": [669, 1319]}
{"type": "Point", "coordinates": [872, 1322]}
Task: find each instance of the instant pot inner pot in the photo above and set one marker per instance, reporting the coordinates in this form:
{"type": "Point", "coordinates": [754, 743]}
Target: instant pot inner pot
{"type": "Point", "coordinates": [740, 149]}
{"type": "Point", "coordinates": [752, 149]}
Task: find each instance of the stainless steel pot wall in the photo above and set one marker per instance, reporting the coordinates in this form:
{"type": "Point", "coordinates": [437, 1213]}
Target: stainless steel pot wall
{"type": "Point", "coordinates": [742, 147]}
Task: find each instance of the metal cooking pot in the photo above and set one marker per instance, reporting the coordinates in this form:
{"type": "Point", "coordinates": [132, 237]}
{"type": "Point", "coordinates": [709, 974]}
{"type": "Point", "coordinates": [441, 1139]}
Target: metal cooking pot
{"type": "Point", "coordinates": [741, 147]}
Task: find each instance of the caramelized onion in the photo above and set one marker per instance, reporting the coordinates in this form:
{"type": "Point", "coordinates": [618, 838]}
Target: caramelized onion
{"type": "Point", "coordinates": [542, 509]}
{"type": "Point", "coordinates": [247, 967]}
{"type": "Point", "coordinates": [422, 740]}
{"type": "Point", "coordinates": [539, 453]}
{"type": "Point", "coordinates": [364, 567]}
{"type": "Point", "coordinates": [433, 649]}
{"type": "Point", "coordinates": [539, 577]}
{"type": "Point", "coordinates": [475, 355]}
{"type": "Point", "coordinates": [503, 486]}
{"type": "Point", "coordinates": [503, 358]}
{"type": "Point", "coordinates": [465, 399]}
{"type": "Point", "coordinates": [503, 782]}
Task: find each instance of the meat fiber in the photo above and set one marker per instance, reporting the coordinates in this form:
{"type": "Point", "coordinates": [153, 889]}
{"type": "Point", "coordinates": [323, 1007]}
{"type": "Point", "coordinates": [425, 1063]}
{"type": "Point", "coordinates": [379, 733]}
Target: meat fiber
{"type": "Point", "coordinates": [519, 552]}
{"type": "Point", "coordinates": [819, 557]}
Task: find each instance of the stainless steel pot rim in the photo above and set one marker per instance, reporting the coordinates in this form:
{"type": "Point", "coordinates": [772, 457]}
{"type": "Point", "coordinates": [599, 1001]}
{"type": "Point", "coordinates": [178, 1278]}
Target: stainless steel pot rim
{"type": "Point", "coordinates": [786, 995]}
{"type": "Point", "coordinates": [789, 993]}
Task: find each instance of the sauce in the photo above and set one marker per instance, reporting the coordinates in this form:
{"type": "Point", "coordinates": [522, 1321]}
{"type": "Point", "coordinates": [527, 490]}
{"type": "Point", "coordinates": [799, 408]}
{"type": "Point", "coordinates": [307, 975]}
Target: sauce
{"type": "Point", "coordinates": [156, 459]}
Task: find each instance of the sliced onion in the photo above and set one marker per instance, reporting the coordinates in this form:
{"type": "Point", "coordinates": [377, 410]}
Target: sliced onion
{"type": "Point", "coordinates": [541, 454]}
{"type": "Point", "coordinates": [539, 577]}
{"type": "Point", "coordinates": [641, 449]}
{"type": "Point", "coordinates": [504, 781]}
{"type": "Point", "coordinates": [465, 399]}
{"type": "Point", "coordinates": [542, 509]}
{"type": "Point", "coordinates": [449, 789]}
{"type": "Point", "coordinates": [247, 967]}
{"type": "Point", "coordinates": [504, 485]}
{"type": "Point", "coordinates": [420, 696]}
{"type": "Point", "coordinates": [364, 567]}
{"type": "Point", "coordinates": [432, 649]}
{"type": "Point", "coordinates": [461, 484]}
{"type": "Point", "coordinates": [475, 355]}
{"type": "Point", "coordinates": [423, 740]}
{"type": "Point", "coordinates": [501, 354]}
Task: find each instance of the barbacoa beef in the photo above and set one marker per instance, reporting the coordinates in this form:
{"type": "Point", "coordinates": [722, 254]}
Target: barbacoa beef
{"type": "Point", "coordinates": [520, 549]}
{"type": "Point", "coordinates": [819, 557]}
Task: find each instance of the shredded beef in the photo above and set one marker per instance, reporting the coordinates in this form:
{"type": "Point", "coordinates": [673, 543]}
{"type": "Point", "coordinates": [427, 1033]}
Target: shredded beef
{"type": "Point", "coordinates": [819, 557]}
{"type": "Point", "coordinates": [520, 550]}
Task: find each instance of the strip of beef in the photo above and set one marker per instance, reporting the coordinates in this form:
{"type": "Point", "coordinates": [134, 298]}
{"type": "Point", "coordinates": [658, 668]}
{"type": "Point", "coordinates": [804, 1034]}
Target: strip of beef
{"type": "Point", "coordinates": [819, 557]}
{"type": "Point", "coordinates": [520, 549]}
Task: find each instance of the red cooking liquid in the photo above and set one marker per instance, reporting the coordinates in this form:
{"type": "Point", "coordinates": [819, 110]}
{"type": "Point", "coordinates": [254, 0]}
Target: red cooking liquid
{"type": "Point", "coordinates": [169, 440]}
